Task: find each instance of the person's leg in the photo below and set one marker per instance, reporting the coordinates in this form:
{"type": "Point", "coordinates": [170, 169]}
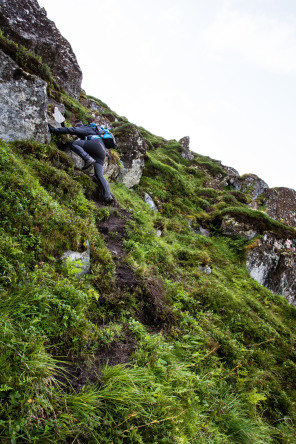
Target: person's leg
{"type": "Point", "coordinates": [102, 181]}
{"type": "Point", "coordinates": [78, 146]}
{"type": "Point", "coordinates": [97, 150]}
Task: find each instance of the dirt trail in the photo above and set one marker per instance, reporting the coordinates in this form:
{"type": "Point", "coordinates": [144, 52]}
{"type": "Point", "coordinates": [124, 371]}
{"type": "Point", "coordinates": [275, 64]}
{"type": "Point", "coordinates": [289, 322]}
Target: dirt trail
{"type": "Point", "coordinates": [114, 233]}
{"type": "Point", "coordinates": [149, 295]}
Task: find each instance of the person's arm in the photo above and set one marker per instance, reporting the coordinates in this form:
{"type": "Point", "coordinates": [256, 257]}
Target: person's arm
{"type": "Point", "coordinates": [80, 131]}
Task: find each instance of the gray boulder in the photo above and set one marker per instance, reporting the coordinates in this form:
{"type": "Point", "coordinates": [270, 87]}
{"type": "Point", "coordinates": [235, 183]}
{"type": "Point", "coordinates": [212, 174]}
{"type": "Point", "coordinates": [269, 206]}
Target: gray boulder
{"type": "Point", "coordinates": [131, 148]}
{"type": "Point", "coordinates": [24, 22]}
{"type": "Point", "coordinates": [23, 101]}
{"type": "Point", "coordinates": [131, 171]}
{"type": "Point", "coordinates": [272, 263]}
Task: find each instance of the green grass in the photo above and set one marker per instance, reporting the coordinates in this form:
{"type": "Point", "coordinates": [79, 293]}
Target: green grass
{"type": "Point", "coordinates": [214, 360]}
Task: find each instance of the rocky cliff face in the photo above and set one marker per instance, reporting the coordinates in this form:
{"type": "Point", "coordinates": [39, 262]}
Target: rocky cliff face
{"type": "Point", "coordinates": [271, 255]}
{"type": "Point", "coordinates": [272, 263]}
{"type": "Point", "coordinates": [23, 103]}
{"type": "Point", "coordinates": [26, 23]}
{"type": "Point", "coordinates": [280, 204]}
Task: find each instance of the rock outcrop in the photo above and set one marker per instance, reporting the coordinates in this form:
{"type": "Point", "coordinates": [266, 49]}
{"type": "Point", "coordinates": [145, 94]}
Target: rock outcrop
{"type": "Point", "coordinates": [271, 257]}
{"type": "Point", "coordinates": [23, 103]}
{"type": "Point", "coordinates": [132, 148]}
{"type": "Point", "coordinates": [272, 263]}
{"type": "Point", "coordinates": [280, 204]}
{"type": "Point", "coordinates": [185, 143]}
{"type": "Point", "coordinates": [233, 227]}
{"type": "Point", "coordinates": [27, 24]}
{"type": "Point", "coordinates": [251, 184]}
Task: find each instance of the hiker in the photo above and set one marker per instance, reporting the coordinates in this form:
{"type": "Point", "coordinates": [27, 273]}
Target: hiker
{"type": "Point", "coordinates": [91, 149]}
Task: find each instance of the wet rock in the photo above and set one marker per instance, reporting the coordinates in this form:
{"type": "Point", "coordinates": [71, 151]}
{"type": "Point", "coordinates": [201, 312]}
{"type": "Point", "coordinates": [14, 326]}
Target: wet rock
{"type": "Point", "coordinates": [24, 22]}
{"type": "Point", "coordinates": [23, 101]}
{"type": "Point", "coordinates": [149, 201]}
{"type": "Point", "coordinates": [272, 263]}
{"type": "Point", "coordinates": [77, 263]}
{"type": "Point", "coordinates": [281, 204]}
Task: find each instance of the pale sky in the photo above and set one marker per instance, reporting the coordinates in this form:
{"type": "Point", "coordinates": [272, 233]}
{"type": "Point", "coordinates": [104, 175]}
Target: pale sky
{"type": "Point", "coordinates": [219, 71]}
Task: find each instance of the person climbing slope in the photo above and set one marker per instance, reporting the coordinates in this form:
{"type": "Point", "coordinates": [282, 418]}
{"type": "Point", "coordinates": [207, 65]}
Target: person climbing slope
{"type": "Point", "coordinates": [91, 149]}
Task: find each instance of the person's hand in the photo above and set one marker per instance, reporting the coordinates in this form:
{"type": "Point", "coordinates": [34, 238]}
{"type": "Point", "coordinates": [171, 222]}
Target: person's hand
{"type": "Point", "coordinates": [51, 128]}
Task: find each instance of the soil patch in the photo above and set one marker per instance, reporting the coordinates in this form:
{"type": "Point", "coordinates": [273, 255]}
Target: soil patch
{"type": "Point", "coordinates": [78, 373]}
{"type": "Point", "coordinates": [114, 234]}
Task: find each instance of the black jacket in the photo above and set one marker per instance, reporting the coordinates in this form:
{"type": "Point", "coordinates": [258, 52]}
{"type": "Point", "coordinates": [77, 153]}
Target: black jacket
{"type": "Point", "coordinates": [80, 131]}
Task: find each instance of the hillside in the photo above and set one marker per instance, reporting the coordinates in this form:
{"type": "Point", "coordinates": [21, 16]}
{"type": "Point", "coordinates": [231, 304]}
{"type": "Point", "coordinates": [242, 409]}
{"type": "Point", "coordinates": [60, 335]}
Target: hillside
{"type": "Point", "coordinates": [167, 337]}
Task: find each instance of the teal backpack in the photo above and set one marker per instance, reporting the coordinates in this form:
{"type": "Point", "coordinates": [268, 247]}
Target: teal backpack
{"type": "Point", "coordinates": [105, 134]}
{"type": "Point", "coordinates": [108, 138]}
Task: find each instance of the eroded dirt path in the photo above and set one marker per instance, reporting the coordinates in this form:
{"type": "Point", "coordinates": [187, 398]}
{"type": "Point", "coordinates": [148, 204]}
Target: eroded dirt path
{"type": "Point", "coordinates": [114, 233]}
{"type": "Point", "coordinates": [149, 294]}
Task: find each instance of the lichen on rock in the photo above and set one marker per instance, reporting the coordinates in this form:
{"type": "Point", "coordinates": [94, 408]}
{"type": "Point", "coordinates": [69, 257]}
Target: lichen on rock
{"type": "Point", "coordinates": [272, 263]}
{"type": "Point", "coordinates": [23, 103]}
{"type": "Point", "coordinates": [26, 23]}
{"type": "Point", "coordinates": [280, 204]}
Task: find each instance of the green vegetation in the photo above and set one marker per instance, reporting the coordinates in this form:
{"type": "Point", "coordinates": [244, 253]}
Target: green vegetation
{"type": "Point", "coordinates": [27, 60]}
{"type": "Point", "coordinates": [199, 358]}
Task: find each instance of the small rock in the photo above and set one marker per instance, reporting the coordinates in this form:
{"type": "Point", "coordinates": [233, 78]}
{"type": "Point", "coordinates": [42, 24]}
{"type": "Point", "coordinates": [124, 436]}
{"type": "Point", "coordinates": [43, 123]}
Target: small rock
{"type": "Point", "coordinates": [203, 231]}
{"type": "Point", "coordinates": [149, 201]}
{"type": "Point", "coordinates": [77, 263]}
{"type": "Point", "coordinates": [58, 116]}
{"type": "Point", "coordinates": [205, 269]}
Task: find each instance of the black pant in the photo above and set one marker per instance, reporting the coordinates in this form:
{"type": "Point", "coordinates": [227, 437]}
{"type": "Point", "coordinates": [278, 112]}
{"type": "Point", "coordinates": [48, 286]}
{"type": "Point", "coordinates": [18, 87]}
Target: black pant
{"type": "Point", "coordinates": [96, 149]}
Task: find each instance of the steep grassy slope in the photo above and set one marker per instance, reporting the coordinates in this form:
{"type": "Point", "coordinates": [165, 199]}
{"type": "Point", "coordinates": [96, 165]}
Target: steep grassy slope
{"type": "Point", "coordinates": [198, 358]}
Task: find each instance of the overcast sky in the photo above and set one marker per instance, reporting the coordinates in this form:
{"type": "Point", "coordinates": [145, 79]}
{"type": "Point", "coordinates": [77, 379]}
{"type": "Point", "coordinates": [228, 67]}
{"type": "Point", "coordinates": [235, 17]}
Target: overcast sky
{"type": "Point", "coordinates": [219, 71]}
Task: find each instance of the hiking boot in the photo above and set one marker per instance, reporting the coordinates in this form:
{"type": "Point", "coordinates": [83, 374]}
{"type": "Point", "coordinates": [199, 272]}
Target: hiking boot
{"type": "Point", "coordinates": [88, 162]}
{"type": "Point", "coordinates": [108, 200]}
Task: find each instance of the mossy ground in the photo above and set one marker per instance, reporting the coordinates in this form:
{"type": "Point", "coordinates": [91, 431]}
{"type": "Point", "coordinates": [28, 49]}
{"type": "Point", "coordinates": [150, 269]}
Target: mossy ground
{"type": "Point", "coordinates": [211, 357]}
